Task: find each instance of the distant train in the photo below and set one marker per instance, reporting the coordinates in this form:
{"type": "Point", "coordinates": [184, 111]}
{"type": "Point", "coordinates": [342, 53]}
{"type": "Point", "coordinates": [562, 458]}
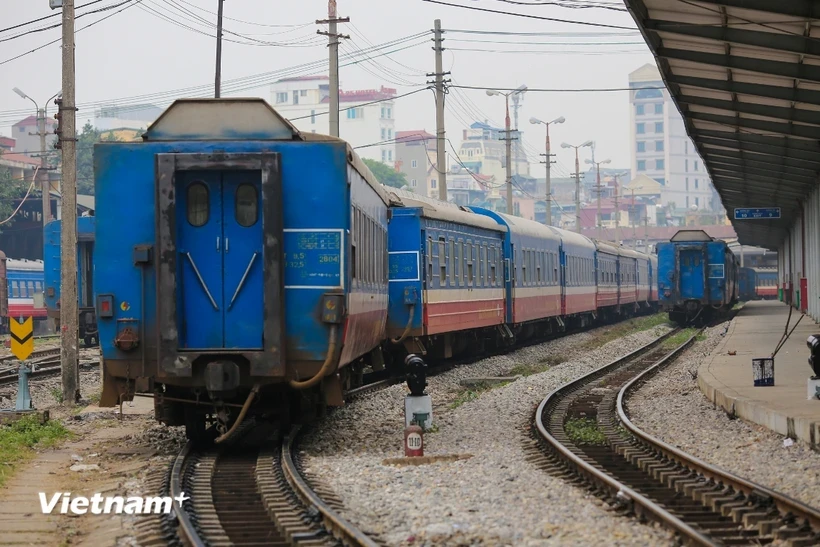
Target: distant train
{"type": "Point", "coordinates": [747, 284]}
{"type": "Point", "coordinates": [243, 268]}
{"type": "Point", "coordinates": [697, 276]}
{"type": "Point", "coordinates": [87, 316]}
{"type": "Point", "coordinates": [766, 284]}
{"type": "Point", "coordinates": [21, 279]}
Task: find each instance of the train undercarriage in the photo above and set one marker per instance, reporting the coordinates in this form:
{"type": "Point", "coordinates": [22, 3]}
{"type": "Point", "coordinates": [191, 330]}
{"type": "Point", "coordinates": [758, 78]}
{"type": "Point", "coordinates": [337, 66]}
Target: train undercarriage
{"type": "Point", "coordinates": [232, 399]}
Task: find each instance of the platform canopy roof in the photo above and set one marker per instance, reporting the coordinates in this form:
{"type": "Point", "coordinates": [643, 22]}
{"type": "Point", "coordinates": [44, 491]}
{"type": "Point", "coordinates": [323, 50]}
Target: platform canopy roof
{"type": "Point", "coordinates": [745, 75]}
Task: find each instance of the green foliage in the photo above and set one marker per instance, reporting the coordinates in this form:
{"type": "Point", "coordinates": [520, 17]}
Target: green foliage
{"type": "Point", "coordinates": [19, 438]}
{"type": "Point", "coordinates": [11, 190]}
{"type": "Point", "coordinates": [584, 431]}
{"type": "Point", "coordinates": [385, 174]}
{"type": "Point", "coordinates": [57, 393]}
{"type": "Point", "coordinates": [625, 328]}
{"type": "Point", "coordinates": [85, 158]}
{"type": "Point", "coordinates": [543, 365]}
{"type": "Point", "coordinates": [679, 338]}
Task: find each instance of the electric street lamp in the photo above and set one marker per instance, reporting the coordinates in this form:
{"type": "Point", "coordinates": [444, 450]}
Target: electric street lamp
{"type": "Point", "coordinates": [41, 130]}
{"type": "Point", "coordinates": [549, 163]}
{"type": "Point", "coordinates": [508, 140]}
{"type": "Point", "coordinates": [577, 183]}
{"type": "Point", "coordinates": [597, 165]}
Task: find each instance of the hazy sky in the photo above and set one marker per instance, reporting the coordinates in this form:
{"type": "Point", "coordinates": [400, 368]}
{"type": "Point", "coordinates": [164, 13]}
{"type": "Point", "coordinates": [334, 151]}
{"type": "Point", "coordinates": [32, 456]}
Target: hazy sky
{"type": "Point", "coordinates": [139, 52]}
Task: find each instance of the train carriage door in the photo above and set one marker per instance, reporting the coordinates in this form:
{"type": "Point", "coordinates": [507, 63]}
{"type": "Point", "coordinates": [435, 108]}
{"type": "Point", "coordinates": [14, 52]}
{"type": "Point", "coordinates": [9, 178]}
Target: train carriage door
{"type": "Point", "coordinates": [242, 232]}
{"type": "Point", "coordinates": [691, 267]}
{"type": "Point", "coordinates": [220, 241]}
{"type": "Point", "coordinates": [199, 244]}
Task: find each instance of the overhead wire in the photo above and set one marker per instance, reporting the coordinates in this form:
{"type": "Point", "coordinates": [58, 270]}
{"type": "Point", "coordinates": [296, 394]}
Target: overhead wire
{"type": "Point", "coordinates": [131, 3]}
{"type": "Point", "coordinates": [530, 16]}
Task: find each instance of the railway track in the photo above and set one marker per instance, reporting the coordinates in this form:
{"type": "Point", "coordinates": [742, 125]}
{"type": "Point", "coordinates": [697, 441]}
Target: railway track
{"type": "Point", "coordinates": [44, 368]}
{"type": "Point", "coordinates": [253, 493]}
{"type": "Point", "coordinates": [640, 475]}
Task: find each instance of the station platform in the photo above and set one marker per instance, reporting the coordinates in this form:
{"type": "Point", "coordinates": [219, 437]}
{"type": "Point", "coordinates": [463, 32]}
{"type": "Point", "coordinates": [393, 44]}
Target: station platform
{"type": "Point", "coordinates": [727, 380]}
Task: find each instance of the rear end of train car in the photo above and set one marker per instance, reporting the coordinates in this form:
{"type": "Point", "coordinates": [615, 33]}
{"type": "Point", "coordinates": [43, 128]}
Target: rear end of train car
{"type": "Point", "coordinates": [240, 265]}
{"type": "Point", "coordinates": [87, 321]}
{"type": "Point", "coordinates": [697, 276]}
{"type": "Point", "coordinates": [446, 277]}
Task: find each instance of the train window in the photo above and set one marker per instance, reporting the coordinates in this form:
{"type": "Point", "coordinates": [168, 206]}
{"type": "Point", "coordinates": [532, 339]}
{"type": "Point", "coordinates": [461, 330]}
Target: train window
{"type": "Point", "coordinates": [353, 244]}
{"type": "Point", "coordinates": [452, 262]}
{"type": "Point", "coordinates": [459, 266]}
{"type": "Point", "coordinates": [31, 288]}
{"type": "Point", "coordinates": [442, 262]}
{"type": "Point", "coordinates": [15, 289]}
{"type": "Point", "coordinates": [523, 267]}
{"type": "Point", "coordinates": [482, 264]}
{"type": "Point", "coordinates": [247, 205]}
{"type": "Point", "coordinates": [493, 277]}
{"type": "Point", "coordinates": [429, 261]}
{"type": "Point", "coordinates": [469, 257]}
{"type": "Point", "coordinates": [198, 209]}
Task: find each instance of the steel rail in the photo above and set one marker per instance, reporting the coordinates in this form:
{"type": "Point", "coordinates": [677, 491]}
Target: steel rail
{"type": "Point", "coordinates": [783, 503]}
{"type": "Point", "coordinates": [639, 502]}
{"type": "Point", "coordinates": [186, 525]}
{"type": "Point", "coordinates": [342, 529]}
{"type": "Point", "coordinates": [10, 376]}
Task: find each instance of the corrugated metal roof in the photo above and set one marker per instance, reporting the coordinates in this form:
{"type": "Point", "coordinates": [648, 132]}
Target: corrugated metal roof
{"type": "Point", "coordinates": [745, 75]}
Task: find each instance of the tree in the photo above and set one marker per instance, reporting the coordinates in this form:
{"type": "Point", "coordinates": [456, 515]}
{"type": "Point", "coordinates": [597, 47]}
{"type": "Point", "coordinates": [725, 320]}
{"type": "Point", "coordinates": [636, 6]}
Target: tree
{"type": "Point", "coordinates": [386, 175]}
{"type": "Point", "coordinates": [11, 191]}
{"type": "Point", "coordinates": [85, 159]}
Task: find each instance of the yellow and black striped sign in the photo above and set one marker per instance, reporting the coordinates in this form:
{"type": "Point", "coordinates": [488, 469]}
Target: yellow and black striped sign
{"type": "Point", "coordinates": [22, 337]}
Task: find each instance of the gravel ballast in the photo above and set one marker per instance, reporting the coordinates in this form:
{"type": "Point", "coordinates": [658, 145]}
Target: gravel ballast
{"type": "Point", "coordinates": [671, 407]}
{"type": "Point", "coordinates": [495, 497]}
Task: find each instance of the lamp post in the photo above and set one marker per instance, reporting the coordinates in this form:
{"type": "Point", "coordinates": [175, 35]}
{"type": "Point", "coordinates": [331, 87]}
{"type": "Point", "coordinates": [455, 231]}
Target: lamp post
{"type": "Point", "coordinates": [41, 130]}
{"type": "Point", "coordinates": [577, 183]}
{"type": "Point", "coordinates": [598, 191]}
{"type": "Point", "coordinates": [548, 162]}
{"type": "Point", "coordinates": [508, 139]}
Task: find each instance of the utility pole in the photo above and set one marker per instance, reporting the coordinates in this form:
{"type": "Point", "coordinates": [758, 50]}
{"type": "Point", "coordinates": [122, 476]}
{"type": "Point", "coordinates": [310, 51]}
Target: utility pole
{"type": "Point", "coordinates": [68, 255]}
{"type": "Point", "coordinates": [632, 221]}
{"type": "Point", "coordinates": [577, 182]}
{"type": "Point", "coordinates": [218, 76]}
{"type": "Point", "coordinates": [617, 212]}
{"type": "Point", "coordinates": [41, 130]}
{"type": "Point", "coordinates": [508, 139]}
{"type": "Point", "coordinates": [333, 44]}
{"type": "Point", "coordinates": [508, 143]}
{"type": "Point", "coordinates": [646, 234]}
{"type": "Point", "coordinates": [549, 162]}
{"type": "Point", "coordinates": [441, 160]}
{"type": "Point", "coordinates": [517, 98]}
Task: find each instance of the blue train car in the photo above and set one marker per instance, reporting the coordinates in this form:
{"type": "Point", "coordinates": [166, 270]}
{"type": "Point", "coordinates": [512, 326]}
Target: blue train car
{"type": "Point", "coordinates": [239, 264]}
{"type": "Point", "coordinates": [446, 276]}
{"type": "Point", "coordinates": [87, 322]}
{"type": "Point", "coordinates": [747, 284]}
{"type": "Point", "coordinates": [697, 275]}
{"type": "Point", "coordinates": [766, 283]}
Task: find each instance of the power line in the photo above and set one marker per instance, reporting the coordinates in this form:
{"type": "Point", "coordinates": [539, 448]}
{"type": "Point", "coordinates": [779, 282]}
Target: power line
{"type": "Point", "coordinates": [58, 25]}
{"type": "Point", "coordinates": [239, 84]}
{"type": "Point", "coordinates": [554, 34]}
{"type": "Point", "coordinates": [571, 5]}
{"type": "Point", "coordinates": [560, 90]}
{"type": "Point", "coordinates": [137, 2]}
{"type": "Point", "coordinates": [529, 16]}
{"type": "Point", "coordinates": [59, 13]}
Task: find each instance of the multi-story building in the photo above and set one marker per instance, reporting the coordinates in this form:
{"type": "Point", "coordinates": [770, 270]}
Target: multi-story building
{"type": "Point", "coordinates": [660, 147]}
{"type": "Point", "coordinates": [138, 116]}
{"type": "Point", "coordinates": [366, 117]}
{"type": "Point", "coordinates": [483, 151]}
{"type": "Point", "coordinates": [25, 134]}
{"type": "Point", "coordinates": [416, 158]}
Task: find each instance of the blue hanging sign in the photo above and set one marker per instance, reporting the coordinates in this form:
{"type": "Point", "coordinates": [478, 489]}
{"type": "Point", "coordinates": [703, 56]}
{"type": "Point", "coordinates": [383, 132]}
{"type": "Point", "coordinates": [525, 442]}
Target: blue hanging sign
{"type": "Point", "coordinates": [757, 213]}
